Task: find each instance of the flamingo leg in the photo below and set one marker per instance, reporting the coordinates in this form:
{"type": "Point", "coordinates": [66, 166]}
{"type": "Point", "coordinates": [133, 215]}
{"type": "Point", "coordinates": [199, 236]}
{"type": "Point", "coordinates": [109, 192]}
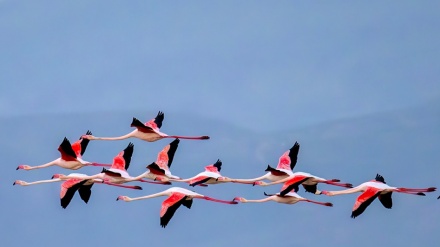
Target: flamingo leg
{"type": "Point", "coordinates": [328, 204]}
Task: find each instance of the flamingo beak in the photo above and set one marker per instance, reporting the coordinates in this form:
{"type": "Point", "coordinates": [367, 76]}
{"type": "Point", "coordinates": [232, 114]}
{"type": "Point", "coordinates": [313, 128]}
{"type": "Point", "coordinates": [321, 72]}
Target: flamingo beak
{"type": "Point", "coordinates": [13, 183]}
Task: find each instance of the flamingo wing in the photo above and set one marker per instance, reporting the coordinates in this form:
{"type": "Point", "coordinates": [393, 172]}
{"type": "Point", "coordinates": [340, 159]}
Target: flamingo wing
{"type": "Point", "coordinates": [293, 184]}
{"type": "Point", "coordinates": [172, 150]}
{"type": "Point", "coordinates": [288, 159]}
{"type": "Point", "coordinates": [155, 169]}
{"type": "Point", "coordinates": [157, 121]}
{"type": "Point", "coordinates": [67, 153]}
{"type": "Point", "coordinates": [123, 159]}
{"type": "Point", "coordinates": [293, 154]}
{"type": "Point", "coordinates": [364, 200]}
{"type": "Point", "coordinates": [386, 200]}
{"type": "Point", "coordinates": [169, 207]}
{"type": "Point", "coordinates": [274, 171]}
{"type": "Point", "coordinates": [199, 180]}
{"type": "Point", "coordinates": [85, 191]}
{"type": "Point", "coordinates": [215, 167]}
{"type": "Point", "coordinates": [84, 142]}
{"type": "Point", "coordinates": [68, 190]}
{"type": "Point", "coordinates": [141, 127]}
{"type": "Point", "coordinates": [310, 188]}
{"type": "Point", "coordinates": [379, 178]}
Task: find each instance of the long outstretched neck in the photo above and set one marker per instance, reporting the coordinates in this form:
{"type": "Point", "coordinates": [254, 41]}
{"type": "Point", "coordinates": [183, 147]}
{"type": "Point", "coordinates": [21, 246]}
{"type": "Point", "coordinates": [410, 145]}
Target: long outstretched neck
{"type": "Point", "coordinates": [328, 204]}
{"type": "Point", "coordinates": [115, 138]}
{"type": "Point", "coordinates": [217, 200]}
{"type": "Point", "coordinates": [189, 137]}
{"type": "Point", "coordinates": [250, 180]}
{"type": "Point", "coordinates": [347, 191]}
{"type": "Point", "coordinates": [43, 181]}
{"type": "Point", "coordinates": [149, 196]}
{"type": "Point", "coordinates": [124, 186]}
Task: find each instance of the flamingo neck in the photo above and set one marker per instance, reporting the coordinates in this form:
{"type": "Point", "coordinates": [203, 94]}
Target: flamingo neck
{"type": "Point", "coordinates": [217, 200]}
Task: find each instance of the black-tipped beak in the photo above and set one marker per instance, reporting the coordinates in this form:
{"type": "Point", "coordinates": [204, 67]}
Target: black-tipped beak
{"type": "Point", "coordinates": [14, 184]}
{"type": "Point", "coordinates": [52, 177]}
{"type": "Point", "coordinates": [17, 168]}
{"type": "Point", "coordinates": [253, 184]}
{"type": "Point", "coordinates": [438, 197]}
{"type": "Point", "coordinates": [117, 199]}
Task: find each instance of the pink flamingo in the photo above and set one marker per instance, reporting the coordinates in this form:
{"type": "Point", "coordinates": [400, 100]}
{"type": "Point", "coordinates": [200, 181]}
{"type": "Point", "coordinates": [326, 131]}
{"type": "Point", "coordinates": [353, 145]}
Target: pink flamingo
{"type": "Point", "coordinates": [72, 183]}
{"type": "Point", "coordinates": [150, 131]}
{"type": "Point", "coordinates": [176, 196]}
{"type": "Point", "coordinates": [289, 198]}
{"type": "Point", "coordinates": [211, 175]}
{"type": "Point", "coordinates": [117, 173]}
{"type": "Point", "coordinates": [71, 156]}
{"type": "Point", "coordinates": [286, 163]}
{"type": "Point", "coordinates": [160, 170]}
{"type": "Point", "coordinates": [376, 188]}
{"type": "Point", "coordinates": [308, 181]}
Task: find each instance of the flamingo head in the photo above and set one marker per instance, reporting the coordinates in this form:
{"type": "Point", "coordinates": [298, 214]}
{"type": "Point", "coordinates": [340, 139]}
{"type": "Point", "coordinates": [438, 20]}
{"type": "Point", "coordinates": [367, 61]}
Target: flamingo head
{"type": "Point", "coordinates": [58, 175]}
{"type": "Point", "coordinates": [19, 182]}
{"type": "Point", "coordinates": [239, 199]}
{"type": "Point", "coordinates": [23, 167]}
{"type": "Point", "coordinates": [123, 198]}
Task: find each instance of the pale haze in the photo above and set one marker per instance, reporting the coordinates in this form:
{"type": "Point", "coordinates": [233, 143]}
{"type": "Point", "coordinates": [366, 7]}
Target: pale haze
{"type": "Point", "coordinates": [355, 83]}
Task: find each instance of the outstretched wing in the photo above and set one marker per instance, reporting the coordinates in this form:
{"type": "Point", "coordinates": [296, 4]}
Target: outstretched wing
{"type": "Point", "coordinates": [166, 155]}
{"type": "Point", "coordinates": [66, 151]}
{"type": "Point", "coordinates": [68, 190]}
{"type": "Point", "coordinates": [169, 207]}
{"type": "Point", "coordinates": [123, 159]}
{"type": "Point", "coordinates": [172, 150]}
{"type": "Point", "coordinates": [199, 180]}
{"type": "Point", "coordinates": [293, 154]}
{"type": "Point", "coordinates": [293, 184]}
{"type": "Point", "coordinates": [386, 200]}
{"type": "Point", "coordinates": [274, 171]}
{"type": "Point", "coordinates": [85, 191]}
{"type": "Point", "coordinates": [364, 200]}
{"type": "Point", "coordinates": [288, 159]}
{"type": "Point", "coordinates": [84, 142]}
{"type": "Point", "coordinates": [140, 126]}
{"type": "Point", "coordinates": [157, 121]}
{"type": "Point", "coordinates": [379, 178]}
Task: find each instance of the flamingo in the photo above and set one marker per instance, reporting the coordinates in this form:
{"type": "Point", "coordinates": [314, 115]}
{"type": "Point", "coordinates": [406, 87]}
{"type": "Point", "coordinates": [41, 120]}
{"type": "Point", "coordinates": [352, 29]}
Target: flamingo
{"type": "Point", "coordinates": [72, 183]}
{"type": "Point", "coordinates": [71, 156]}
{"type": "Point", "coordinates": [150, 131]}
{"type": "Point", "coordinates": [286, 163]}
{"type": "Point", "coordinates": [117, 173]}
{"type": "Point", "coordinates": [308, 181]}
{"type": "Point", "coordinates": [211, 175]}
{"type": "Point", "coordinates": [160, 170]}
{"type": "Point", "coordinates": [176, 196]}
{"type": "Point", "coordinates": [376, 188]}
{"type": "Point", "coordinates": [289, 198]}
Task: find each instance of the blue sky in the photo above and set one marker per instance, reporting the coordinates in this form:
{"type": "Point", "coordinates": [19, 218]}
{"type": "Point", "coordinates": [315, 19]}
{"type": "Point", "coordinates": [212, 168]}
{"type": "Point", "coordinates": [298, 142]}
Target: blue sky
{"type": "Point", "coordinates": [266, 70]}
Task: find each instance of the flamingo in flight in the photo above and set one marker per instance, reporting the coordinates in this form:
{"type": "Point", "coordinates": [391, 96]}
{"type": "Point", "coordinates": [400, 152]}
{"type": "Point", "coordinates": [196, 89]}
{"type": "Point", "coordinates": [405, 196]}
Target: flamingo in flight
{"type": "Point", "coordinates": [176, 196]}
{"type": "Point", "coordinates": [117, 173]}
{"type": "Point", "coordinates": [286, 163]}
{"type": "Point", "coordinates": [211, 175]}
{"type": "Point", "coordinates": [71, 156]}
{"type": "Point", "coordinates": [289, 198]}
{"type": "Point", "coordinates": [160, 170]}
{"type": "Point", "coordinates": [72, 183]}
{"type": "Point", "coordinates": [376, 188]}
{"type": "Point", "coordinates": [308, 181]}
{"type": "Point", "coordinates": [150, 131]}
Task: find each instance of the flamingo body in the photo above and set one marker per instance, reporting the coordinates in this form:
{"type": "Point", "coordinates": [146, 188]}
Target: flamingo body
{"type": "Point", "coordinates": [176, 197]}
